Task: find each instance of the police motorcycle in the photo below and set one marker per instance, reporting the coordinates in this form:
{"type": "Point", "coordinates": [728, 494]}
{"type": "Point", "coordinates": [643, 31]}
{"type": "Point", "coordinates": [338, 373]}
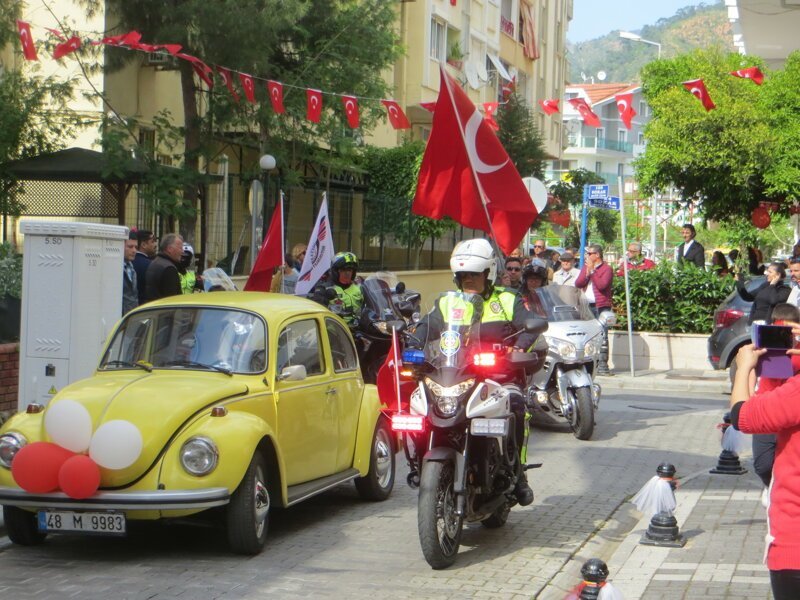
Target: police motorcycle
{"type": "Point", "coordinates": [459, 429]}
{"type": "Point", "coordinates": [564, 386]}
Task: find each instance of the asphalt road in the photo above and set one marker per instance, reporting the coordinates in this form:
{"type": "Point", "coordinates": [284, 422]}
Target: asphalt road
{"type": "Point", "coordinates": [337, 546]}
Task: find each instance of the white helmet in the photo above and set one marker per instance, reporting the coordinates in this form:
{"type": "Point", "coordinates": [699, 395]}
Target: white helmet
{"type": "Point", "coordinates": [474, 256]}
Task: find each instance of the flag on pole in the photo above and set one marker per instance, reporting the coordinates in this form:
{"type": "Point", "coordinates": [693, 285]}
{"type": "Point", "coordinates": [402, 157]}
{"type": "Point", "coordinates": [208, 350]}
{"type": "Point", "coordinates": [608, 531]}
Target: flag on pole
{"type": "Point", "coordinates": [625, 108]}
{"type": "Point", "coordinates": [391, 391]}
{"type": "Point", "coordinates": [468, 176]}
{"type": "Point", "coordinates": [754, 74]}
{"type": "Point", "coordinates": [319, 254]}
{"type": "Point", "coordinates": [270, 256]}
{"type": "Point", "coordinates": [26, 40]}
{"type": "Point", "coordinates": [699, 91]}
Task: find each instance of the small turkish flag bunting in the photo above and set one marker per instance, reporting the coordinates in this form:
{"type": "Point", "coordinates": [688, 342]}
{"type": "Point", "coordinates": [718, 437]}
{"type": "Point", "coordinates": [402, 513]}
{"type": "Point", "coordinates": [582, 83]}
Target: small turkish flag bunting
{"type": "Point", "coordinates": [25, 38]}
{"type": "Point", "coordinates": [550, 107]}
{"type": "Point", "coordinates": [123, 39]}
{"type": "Point", "coordinates": [490, 109]}
{"type": "Point", "coordinates": [60, 35]}
{"type": "Point", "coordinates": [754, 74]}
{"type": "Point", "coordinates": [67, 47]}
{"type": "Point", "coordinates": [248, 86]}
{"type": "Point", "coordinates": [275, 89]}
{"type": "Point", "coordinates": [350, 104]}
{"type": "Point", "coordinates": [226, 77]}
{"type": "Point", "coordinates": [313, 105]}
{"type": "Point", "coordinates": [699, 91]}
{"type": "Point", "coordinates": [588, 116]}
{"type": "Point", "coordinates": [625, 108]}
{"type": "Point", "coordinates": [429, 106]}
{"type": "Point", "coordinates": [397, 117]}
{"type": "Point", "coordinates": [201, 69]}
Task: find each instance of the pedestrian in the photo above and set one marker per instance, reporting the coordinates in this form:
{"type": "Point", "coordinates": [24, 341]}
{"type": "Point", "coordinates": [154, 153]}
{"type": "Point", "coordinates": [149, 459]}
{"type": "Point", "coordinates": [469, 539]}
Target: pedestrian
{"type": "Point", "coordinates": [754, 260]}
{"type": "Point", "coordinates": [190, 280]}
{"type": "Point", "coordinates": [145, 252]}
{"type": "Point", "coordinates": [796, 250]}
{"type": "Point", "coordinates": [568, 273]}
{"type": "Point", "coordinates": [163, 278]}
{"type": "Point", "coordinates": [595, 280]}
{"type": "Point", "coordinates": [298, 256]}
{"type": "Point", "coordinates": [719, 264]}
{"type": "Point", "coordinates": [764, 298]}
{"type": "Point", "coordinates": [690, 251]}
{"type": "Point", "coordinates": [794, 283]}
{"type": "Point", "coordinates": [285, 279]}
{"type": "Point", "coordinates": [130, 291]}
{"type": "Point", "coordinates": [636, 261]}
{"type": "Point", "coordinates": [514, 271]}
{"type": "Point", "coordinates": [539, 252]}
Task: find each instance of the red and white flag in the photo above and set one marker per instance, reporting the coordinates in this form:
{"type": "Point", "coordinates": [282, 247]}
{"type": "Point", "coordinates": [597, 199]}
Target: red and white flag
{"type": "Point", "coordinates": [699, 91]}
{"type": "Point", "coordinates": [587, 114]}
{"type": "Point", "coordinates": [754, 74]}
{"type": "Point", "coordinates": [489, 110]}
{"type": "Point", "coordinates": [275, 89]}
{"type": "Point", "coordinates": [313, 105]}
{"type": "Point", "coordinates": [397, 117]}
{"type": "Point", "coordinates": [319, 254]}
{"type": "Point", "coordinates": [429, 106]}
{"type": "Point", "coordinates": [509, 87]}
{"type": "Point", "coordinates": [201, 69]}
{"type": "Point", "coordinates": [226, 77]}
{"type": "Point", "coordinates": [391, 391]}
{"type": "Point", "coordinates": [56, 33]}
{"type": "Point", "coordinates": [550, 107]}
{"type": "Point", "coordinates": [270, 256]}
{"type": "Point", "coordinates": [248, 86]}
{"type": "Point", "coordinates": [625, 108]}
{"type": "Point", "coordinates": [26, 39]}
{"type": "Point", "coordinates": [350, 104]}
{"type": "Point", "coordinates": [466, 174]}
{"type": "Point", "coordinates": [68, 47]}
{"type": "Point", "coordinates": [123, 39]}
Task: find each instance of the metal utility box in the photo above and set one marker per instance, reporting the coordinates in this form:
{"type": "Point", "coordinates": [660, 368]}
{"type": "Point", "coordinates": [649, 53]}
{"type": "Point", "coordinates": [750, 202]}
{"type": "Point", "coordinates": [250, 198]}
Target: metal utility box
{"type": "Point", "coordinates": [71, 299]}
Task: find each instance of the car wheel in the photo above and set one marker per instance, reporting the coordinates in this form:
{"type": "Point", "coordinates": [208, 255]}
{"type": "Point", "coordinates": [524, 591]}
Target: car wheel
{"type": "Point", "coordinates": [21, 526]}
{"type": "Point", "coordinates": [378, 483]}
{"type": "Point", "coordinates": [247, 514]}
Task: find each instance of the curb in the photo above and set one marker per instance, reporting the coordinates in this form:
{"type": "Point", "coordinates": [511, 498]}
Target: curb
{"type": "Point", "coordinates": [662, 383]}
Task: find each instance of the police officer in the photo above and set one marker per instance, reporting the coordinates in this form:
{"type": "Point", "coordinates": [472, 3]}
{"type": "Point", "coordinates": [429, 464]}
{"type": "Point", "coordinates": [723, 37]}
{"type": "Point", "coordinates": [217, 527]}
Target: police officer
{"type": "Point", "coordinates": [190, 281]}
{"type": "Point", "coordinates": [349, 297]}
{"type": "Point", "coordinates": [474, 267]}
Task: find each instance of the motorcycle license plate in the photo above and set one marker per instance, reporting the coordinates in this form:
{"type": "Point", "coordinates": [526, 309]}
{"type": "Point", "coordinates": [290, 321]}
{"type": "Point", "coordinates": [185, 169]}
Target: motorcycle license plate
{"type": "Point", "coordinates": [489, 427]}
{"type": "Point", "coordinates": [104, 523]}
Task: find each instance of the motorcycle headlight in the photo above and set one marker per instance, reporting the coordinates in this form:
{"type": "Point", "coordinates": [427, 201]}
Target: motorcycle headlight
{"type": "Point", "coordinates": [199, 456]}
{"type": "Point", "coordinates": [564, 348]}
{"type": "Point", "coordinates": [446, 406]}
{"type": "Point", "coordinates": [10, 444]}
{"type": "Point", "coordinates": [383, 327]}
{"type": "Point", "coordinates": [447, 397]}
{"type": "Point", "coordinates": [592, 347]}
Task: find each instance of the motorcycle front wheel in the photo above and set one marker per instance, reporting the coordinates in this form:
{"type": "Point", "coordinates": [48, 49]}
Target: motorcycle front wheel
{"type": "Point", "coordinates": [439, 526]}
{"type": "Point", "coordinates": [582, 418]}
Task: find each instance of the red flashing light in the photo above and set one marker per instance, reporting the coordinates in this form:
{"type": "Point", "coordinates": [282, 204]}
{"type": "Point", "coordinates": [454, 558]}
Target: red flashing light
{"type": "Point", "coordinates": [485, 359]}
{"type": "Point", "coordinates": [408, 422]}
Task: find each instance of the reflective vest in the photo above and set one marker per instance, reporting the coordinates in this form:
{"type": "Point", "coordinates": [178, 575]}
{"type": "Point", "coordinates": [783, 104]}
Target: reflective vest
{"type": "Point", "coordinates": [497, 308]}
{"type": "Point", "coordinates": [352, 299]}
{"type": "Point", "coordinates": [188, 281]}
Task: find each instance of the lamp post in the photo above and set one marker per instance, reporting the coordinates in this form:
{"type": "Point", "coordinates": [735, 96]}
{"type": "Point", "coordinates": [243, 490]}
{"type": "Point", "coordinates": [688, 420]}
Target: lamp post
{"type": "Point", "coordinates": [637, 38]}
{"type": "Point", "coordinates": [267, 163]}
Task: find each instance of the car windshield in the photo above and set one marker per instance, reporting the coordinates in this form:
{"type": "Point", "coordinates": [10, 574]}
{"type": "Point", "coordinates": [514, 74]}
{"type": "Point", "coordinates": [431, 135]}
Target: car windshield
{"type": "Point", "coordinates": [461, 332]}
{"type": "Point", "coordinates": [562, 303]}
{"type": "Point", "coordinates": [198, 338]}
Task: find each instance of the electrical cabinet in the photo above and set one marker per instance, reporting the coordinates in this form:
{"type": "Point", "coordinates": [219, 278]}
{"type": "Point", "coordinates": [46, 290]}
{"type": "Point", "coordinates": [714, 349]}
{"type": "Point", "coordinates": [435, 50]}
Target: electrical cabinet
{"type": "Point", "coordinates": [71, 299]}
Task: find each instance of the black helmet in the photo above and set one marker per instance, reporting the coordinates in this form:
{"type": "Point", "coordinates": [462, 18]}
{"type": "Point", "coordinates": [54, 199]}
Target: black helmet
{"type": "Point", "coordinates": [343, 260]}
{"type": "Point", "coordinates": [537, 268]}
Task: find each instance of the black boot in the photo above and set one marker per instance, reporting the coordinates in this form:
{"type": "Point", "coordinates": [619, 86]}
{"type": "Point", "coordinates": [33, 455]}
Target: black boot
{"type": "Point", "coordinates": [523, 491]}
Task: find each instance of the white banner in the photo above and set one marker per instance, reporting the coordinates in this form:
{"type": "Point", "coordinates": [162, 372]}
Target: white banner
{"type": "Point", "coordinates": [319, 254]}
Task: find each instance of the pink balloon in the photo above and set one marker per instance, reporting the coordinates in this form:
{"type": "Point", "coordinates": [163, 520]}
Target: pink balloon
{"type": "Point", "coordinates": [35, 467]}
{"type": "Point", "coordinates": [79, 477]}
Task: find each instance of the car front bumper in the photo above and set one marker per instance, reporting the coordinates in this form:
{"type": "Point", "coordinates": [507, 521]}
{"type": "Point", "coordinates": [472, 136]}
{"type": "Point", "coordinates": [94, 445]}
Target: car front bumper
{"type": "Point", "coordinates": [140, 500]}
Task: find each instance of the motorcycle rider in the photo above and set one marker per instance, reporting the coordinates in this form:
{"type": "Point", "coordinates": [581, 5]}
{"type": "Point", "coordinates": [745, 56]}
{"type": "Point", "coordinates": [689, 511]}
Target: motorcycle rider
{"type": "Point", "coordinates": [474, 266]}
{"type": "Point", "coordinates": [348, 292]}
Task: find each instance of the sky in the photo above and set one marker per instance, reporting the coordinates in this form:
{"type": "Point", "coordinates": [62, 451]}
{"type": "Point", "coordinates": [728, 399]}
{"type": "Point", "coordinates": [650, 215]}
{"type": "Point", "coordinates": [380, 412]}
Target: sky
{"type": "Point", "coordinates": [595, 18]}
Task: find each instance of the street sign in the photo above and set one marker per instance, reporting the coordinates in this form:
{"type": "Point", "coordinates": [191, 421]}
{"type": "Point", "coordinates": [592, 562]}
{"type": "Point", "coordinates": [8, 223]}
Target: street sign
{"type": "Point", "coordinates": [597, 192]}
{"type": "Point", "coordinates": [610, 203]}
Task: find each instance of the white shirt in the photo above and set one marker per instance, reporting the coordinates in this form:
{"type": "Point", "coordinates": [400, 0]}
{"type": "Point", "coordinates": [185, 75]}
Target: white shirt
{"type": "Point", "coordinates": [794, 295]}
{"type": "Point", "coordinates": [686, 246]}
{"type": "Point", "coordinates": [562, 277]}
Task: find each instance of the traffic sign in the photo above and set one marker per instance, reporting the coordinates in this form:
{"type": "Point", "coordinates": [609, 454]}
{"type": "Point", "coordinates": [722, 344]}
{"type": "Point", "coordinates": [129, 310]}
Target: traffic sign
{"type": "Point", "coordinates": [597, 192]}
{"type": "Point", "coordinates": [610, 203]}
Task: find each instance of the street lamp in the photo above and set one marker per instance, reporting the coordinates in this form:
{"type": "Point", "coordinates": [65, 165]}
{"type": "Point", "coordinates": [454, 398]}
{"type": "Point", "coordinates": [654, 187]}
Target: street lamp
{"type": "Point", "coordinates": [267, 163]}
{"type": "Point", "coordinates": [637, 38]}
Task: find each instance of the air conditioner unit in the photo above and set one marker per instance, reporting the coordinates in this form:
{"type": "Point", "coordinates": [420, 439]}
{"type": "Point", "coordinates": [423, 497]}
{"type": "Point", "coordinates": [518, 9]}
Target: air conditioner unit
{"type": "Point", "coordinates": [156, 59]}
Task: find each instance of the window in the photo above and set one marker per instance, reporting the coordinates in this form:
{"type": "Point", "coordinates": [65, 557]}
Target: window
{"type": "Point", "coordinates": [438, 40]}
{"type": "Point", "coordinates": [598, 167]}
{"type": "Point", "coordinates": [299, 344]}
{"type": "Point", "coordinates": [601, 133]}
{"type": "Point", "coordinates": [620, 169]}
{"type": "Point", "coordinates": [642, 108]}
{"type": "Point", "coordinates": [342, 350]}
{"type": "Point", "coordinates": [641, 139]}
{"type": "Point", "coordinates": [622, 135]}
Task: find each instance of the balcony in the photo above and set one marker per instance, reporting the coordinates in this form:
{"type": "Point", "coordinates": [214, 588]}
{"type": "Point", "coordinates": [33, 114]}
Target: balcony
{"type": "Point", "coordinates": [507, 26]}
{"type": "Point", "coordinates": [599, 144]}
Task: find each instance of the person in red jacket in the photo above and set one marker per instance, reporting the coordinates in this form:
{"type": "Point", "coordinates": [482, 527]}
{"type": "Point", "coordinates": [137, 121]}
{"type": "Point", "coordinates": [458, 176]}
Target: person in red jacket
{"type": "Point", "coordinates": [636, 262]}
{"type": "Point", "coordinates": [595, 280]}
{"type": "Point", "coordinates": [776, 411]}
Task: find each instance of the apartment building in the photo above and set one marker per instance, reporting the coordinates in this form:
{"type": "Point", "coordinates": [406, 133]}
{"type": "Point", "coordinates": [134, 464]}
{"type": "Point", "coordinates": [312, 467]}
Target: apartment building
{"type": "Point", "coordinates": [766, 28]}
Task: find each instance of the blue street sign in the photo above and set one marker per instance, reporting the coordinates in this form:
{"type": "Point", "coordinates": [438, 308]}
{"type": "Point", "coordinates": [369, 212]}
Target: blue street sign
{"type": "Point", "coordinates": [597, 192]}
{"type": "Point", "coordinates": [610, 203]}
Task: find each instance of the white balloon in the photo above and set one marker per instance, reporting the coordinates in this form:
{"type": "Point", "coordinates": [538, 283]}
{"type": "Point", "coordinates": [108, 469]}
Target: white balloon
{"type": "Point", "coordinates": [538, 192]}
{"type": "Point", "coordinates": [69, 425]}
{"type": "Point", "coordinates": [116, 444]}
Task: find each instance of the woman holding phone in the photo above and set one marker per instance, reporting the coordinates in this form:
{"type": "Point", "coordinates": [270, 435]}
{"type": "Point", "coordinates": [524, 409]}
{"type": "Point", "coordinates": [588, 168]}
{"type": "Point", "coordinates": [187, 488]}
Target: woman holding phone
{"type": "Point", "coordinates": [772, 292]}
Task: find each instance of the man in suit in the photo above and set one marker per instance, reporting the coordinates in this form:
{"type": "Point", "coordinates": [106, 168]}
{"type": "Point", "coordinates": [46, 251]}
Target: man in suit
{"type": "Point", "coordinates": [690, 251]}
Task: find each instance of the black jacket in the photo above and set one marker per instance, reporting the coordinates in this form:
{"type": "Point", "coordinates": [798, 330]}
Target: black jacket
{"type": "Point", "coordinates": [162, 278]}
{"type": "Point", "coordinates": [696, 255]}
{"type": "Point", "coordinates": [764, 298]}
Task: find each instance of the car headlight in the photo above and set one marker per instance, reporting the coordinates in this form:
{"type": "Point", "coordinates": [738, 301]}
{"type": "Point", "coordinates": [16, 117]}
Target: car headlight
{"type": "Point", "coordinates": [383, 327]}
{"type": "Point", "coordinates": [564, 348]}
{"type": "Point", "coordinates": [199, 456]}
{"type": "Point", "coordinates": [593, 346]}
{"type": "Point", "coordinates": [10, 444]}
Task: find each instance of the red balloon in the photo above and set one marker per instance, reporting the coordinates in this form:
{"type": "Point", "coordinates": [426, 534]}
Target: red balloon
{"type": "Point", "coordinates": [760, 217]}
{"type": "Point", "coordinates": [35, 467]}
{"type": "Point", "coordinates": [79, 477]}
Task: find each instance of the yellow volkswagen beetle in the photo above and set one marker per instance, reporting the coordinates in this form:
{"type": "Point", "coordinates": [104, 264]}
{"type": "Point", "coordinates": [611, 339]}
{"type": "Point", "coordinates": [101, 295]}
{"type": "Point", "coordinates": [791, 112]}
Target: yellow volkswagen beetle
{"type": "Point", "coordinates": [243, 400]}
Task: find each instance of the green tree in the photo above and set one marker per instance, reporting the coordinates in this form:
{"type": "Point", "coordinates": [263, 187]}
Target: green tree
{"type": "Point", "coordinates": [521, 138]}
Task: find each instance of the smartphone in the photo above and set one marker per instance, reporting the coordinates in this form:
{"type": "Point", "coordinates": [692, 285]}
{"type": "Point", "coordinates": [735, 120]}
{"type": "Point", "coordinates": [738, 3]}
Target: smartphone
{"type": "Point", "coordinates": [777, 337]}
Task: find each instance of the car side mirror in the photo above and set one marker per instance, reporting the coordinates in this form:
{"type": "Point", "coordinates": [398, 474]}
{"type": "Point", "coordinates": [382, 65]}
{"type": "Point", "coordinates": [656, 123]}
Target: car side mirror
{"type": "Point", "coordinates": [534, 325]}
{"type": "Point", "coordinates": [400, 288]}
{"type": "Point", "coordinates": [293, 373]}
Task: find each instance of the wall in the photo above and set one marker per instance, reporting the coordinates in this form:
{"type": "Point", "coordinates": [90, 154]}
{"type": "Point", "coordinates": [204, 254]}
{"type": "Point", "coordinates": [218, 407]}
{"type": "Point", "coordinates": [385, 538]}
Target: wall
{"type": "Point", "coordinates": [659, 351]}
{"type": "Point", "coordinates": [9, 378]}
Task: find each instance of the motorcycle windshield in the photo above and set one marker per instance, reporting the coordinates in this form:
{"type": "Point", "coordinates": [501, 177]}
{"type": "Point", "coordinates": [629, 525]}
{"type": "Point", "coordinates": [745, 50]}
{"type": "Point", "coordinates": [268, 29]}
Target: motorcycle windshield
{"type": "Point", "coordinates": [378, 300]}
{"type": "Point", "coordinates": [460, 333]}
{"type": "Point", "coordinates": [562, 303]}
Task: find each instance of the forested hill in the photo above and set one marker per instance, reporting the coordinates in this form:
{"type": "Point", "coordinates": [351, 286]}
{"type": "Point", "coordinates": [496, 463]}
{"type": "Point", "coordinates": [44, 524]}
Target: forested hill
{"type": "Point", "coordinates": [692, 27]}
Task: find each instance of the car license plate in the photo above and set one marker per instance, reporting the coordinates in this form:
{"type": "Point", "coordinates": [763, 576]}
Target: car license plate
{"type": "Point", "coordinates": [106, 523]}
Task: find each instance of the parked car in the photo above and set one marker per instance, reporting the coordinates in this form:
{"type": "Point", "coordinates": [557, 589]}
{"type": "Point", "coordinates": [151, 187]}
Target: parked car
{"type": "Point", "coordinates": [731, 330]}
{"type": "Point", "coordinates": [241, 400]}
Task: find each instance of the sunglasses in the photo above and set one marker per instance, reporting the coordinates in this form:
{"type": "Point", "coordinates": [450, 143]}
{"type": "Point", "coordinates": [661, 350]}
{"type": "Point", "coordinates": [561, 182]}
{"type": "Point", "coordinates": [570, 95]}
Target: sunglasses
{"type": "Point", "coordinates": [537, 246]}
{"type": "Point", "coordinates": [513, 269]}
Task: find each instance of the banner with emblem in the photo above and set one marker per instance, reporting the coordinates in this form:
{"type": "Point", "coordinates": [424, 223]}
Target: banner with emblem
{"type": "Point", "coordinates": [319, 254]}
